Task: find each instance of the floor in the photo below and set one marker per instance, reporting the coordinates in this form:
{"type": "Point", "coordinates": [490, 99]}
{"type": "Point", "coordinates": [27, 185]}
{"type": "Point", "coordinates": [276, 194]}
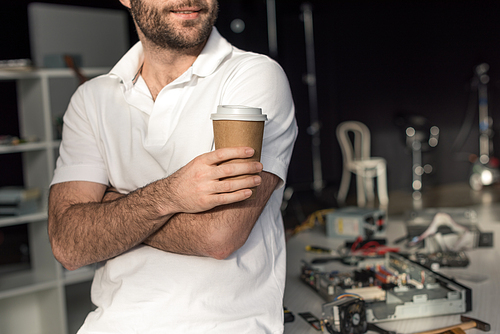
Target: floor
{"type": "Point", "coordinates": [450, 195]}
{"type": "Point", "coordinates": [480, 275]}
{"type": "Point", "coordinates": [303, 202]}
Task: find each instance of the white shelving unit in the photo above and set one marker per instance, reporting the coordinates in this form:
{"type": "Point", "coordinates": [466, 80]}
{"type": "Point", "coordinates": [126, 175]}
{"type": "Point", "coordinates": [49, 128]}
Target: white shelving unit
{"type": "Point", "coordinates": [45, 298]}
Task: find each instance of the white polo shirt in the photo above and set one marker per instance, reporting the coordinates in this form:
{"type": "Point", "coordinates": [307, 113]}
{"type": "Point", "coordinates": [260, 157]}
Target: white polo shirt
{"type": "Point", "coordinates": [114, 133]}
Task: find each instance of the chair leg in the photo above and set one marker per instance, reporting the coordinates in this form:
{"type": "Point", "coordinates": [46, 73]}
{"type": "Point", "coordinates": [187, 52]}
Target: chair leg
{"type": "Point", "coordinates": [360, 186]}
{"type": "Point", "coordinates": [370, 194]}
{"type": "Point", "coordinates": [382, 187]}
{"type": "Point", "coordinates": [344, 186]}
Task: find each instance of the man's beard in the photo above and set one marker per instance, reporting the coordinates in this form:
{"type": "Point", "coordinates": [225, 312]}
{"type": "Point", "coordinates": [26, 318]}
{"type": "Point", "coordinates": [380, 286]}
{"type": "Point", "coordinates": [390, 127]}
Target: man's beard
{"type": "Point", "coordinates": [157, 28]}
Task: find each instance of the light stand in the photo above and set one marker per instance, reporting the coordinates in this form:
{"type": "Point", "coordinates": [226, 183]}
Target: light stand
{"type": "Point", "coordinates": [484, 171]}
{"type": "Point", "coordinates": [310, 81]}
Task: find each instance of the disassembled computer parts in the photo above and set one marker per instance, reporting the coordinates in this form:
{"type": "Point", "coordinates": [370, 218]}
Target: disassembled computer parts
{"type": "Point", "coordinates": [393, 288]}
{"type": "Point", "coordinates": [445, 229]}
{"type": "Point", "coordinates": [345, 315]}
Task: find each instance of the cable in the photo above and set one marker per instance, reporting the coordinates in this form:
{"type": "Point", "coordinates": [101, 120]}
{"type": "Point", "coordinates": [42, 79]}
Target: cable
{"type": "Point", "coordinates": [345, 295]}
{"type": "Point", "coordinates": [317, 216]}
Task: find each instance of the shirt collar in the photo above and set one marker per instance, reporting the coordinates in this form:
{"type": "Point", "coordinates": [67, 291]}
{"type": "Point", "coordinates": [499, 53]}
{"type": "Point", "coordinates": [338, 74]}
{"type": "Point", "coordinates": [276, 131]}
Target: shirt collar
{"type": "Point", "coordinates": [127, 68]}
{"type": "Point", "coordinates": [212, 55]}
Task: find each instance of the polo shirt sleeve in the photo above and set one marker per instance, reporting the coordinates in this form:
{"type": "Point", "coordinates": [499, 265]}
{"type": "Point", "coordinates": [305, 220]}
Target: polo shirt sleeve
{"type": "Point", "coordinates": [79, 156]}
{"type": "Point", "coordinates": [260, 82]}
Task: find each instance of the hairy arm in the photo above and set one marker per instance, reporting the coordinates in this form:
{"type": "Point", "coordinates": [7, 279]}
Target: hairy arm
{"type": "Point", "coordinates": [83, 229]}
{"type": "Point", "coordinates": [215, 233]}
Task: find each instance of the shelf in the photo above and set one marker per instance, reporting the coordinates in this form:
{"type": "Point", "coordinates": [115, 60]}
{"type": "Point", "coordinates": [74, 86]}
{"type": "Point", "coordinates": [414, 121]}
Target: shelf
{"type": "Point", "coordinates": [18, 284]}
{"type": "Point", "coordinates": [49, 73]}
{"type": "Point", "coordinates": [28, 147]}
{"type": "Point", "coordinates": [23, 219]}
{"type": "Point", "coordinates": [41, 297]}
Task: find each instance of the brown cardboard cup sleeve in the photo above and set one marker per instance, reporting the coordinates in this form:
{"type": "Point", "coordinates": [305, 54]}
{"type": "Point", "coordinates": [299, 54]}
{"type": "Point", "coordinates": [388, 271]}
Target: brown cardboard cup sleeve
{"type": "Point", "coordinates": [236, 126]}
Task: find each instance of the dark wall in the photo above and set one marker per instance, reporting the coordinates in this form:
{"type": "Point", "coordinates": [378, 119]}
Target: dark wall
{"type": "Point", "coordinates": [374, 59]}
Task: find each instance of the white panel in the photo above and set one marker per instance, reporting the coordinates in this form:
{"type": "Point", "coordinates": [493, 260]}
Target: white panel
{"type": "Point", "coordinates": [100, 36]}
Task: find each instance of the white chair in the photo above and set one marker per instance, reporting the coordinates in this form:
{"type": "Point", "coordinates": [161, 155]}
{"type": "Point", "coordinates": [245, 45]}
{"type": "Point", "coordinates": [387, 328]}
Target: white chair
{"type": "Point", "coordinates": [357, 160]}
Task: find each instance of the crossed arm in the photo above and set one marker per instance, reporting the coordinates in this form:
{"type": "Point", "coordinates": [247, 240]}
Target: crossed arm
{"type": "Point", "coordinates": [218, 232]}
{"type": "Point", "coordinates": [190, 212]}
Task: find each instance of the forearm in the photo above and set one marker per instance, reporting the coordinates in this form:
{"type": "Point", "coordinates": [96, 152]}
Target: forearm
{"type": "Point", "coordinates": [86, 225]}
{"type": "Point", "coordinates": [203, 234]}
{"type": "Point", "coordinates": [215, 233]}
{"type": "Point", "coordinates": [85, 233]}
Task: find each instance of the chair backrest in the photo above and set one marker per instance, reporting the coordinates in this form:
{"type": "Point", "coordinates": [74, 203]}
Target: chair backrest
{"type": "Point", "coordinates": [360, 149]}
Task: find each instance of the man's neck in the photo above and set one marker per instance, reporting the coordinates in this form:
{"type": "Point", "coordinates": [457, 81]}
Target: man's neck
{"type": "Point", "coordinates": [162, 66]}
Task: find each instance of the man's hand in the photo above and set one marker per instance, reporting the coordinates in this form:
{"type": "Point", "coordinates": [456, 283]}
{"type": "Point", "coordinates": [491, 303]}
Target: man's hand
{"type": "Point", "coordinates": [201, 185]}
{"type": "Point", "coordinates": [198, 189]}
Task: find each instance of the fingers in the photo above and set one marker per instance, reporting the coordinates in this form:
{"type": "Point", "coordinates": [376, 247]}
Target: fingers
{"type": "Point", "coordinates": [232, 185]}
{"type": "Point", "coordinates": [229, 153]}
{"type": "Point", "coordinates": [216, 178]}
{"type": "Point", "coordinates": [228, 198]}
{"type": "Point", "coordinates": [240, 167]}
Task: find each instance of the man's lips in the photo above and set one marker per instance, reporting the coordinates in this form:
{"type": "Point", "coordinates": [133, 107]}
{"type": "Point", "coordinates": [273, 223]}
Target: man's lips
{"type": "Point", "coordinates": [187, 12]}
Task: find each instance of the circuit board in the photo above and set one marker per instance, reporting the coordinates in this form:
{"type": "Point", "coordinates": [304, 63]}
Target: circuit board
{"type": "Point", "coordinates": [392, 287]}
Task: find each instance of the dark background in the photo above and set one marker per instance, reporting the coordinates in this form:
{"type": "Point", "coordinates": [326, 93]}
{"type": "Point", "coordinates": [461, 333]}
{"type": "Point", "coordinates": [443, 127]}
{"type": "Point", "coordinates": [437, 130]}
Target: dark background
{"type": "Point", "coordinates": [374, 59]}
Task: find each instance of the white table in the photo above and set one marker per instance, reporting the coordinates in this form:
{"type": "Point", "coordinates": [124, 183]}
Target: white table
{"type": "Point", "coordinates": [483, 262]}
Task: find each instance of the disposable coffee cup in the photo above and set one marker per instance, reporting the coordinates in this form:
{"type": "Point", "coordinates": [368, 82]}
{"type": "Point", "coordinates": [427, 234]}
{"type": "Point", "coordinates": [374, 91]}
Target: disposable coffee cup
{"type": "Point", "coordinates": [237, 126]}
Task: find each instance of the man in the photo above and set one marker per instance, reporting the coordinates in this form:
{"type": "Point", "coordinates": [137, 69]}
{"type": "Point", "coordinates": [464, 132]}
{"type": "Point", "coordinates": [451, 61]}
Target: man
{"type": "Point", "coordinates": [139, 190]}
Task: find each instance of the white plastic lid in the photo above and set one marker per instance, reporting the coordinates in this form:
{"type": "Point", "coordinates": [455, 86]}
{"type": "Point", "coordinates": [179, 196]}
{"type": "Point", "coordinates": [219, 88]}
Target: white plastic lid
{"type": "Point", "coordinates": [238, 113]}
